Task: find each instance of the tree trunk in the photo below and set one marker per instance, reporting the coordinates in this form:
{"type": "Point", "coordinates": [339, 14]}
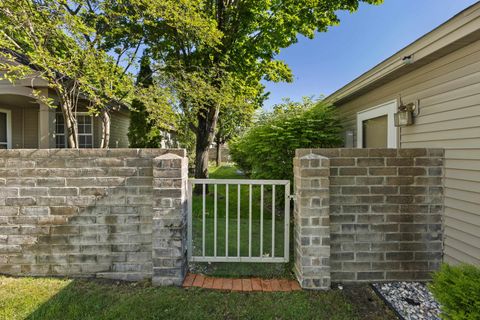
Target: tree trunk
{"type": "Point", "coordinates": [219, 154]}
{"type": "Point", "coordinates": [201, 149]}
{"type": "Point", "coordinates": [106, 121]}
{"type": "Point", "coordinates": [207, 121]}
{"type": "Point", "coordinates": [70, 125]}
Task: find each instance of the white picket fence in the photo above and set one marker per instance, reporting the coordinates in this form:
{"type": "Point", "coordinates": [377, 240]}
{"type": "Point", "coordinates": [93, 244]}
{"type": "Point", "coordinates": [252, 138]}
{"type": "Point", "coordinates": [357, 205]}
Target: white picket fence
{"type": "Point", "coordinates": [199, 250]}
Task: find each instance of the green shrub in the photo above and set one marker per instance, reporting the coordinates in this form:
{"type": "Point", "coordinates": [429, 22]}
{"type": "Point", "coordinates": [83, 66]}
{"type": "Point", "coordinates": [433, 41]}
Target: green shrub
{"type": "Point", "coordinates": [267, 149]}
{"type": "Point", "coordinates": [457, 289]}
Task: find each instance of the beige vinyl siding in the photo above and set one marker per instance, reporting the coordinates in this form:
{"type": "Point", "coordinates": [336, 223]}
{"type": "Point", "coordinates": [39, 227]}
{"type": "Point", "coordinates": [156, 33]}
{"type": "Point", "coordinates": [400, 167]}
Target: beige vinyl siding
{"type": "Point", "coordinates": [17, 127]}
{"type": "Point", "coordinates": [24, 125]}
{"type": "Point", "coordinates": [119, 130]}
{"type": "Point", "coordinates": [462, 204]}
{"type": "Point", "coordinates": [30, 130]}
{"type": "Point", "coordinates": [448, 92]}
{"type": "Point", "coordinates": [97, 132]}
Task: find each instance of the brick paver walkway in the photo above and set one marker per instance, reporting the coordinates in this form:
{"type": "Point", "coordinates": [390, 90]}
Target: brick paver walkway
{"type": "Point", "coordinates": [245, 285]}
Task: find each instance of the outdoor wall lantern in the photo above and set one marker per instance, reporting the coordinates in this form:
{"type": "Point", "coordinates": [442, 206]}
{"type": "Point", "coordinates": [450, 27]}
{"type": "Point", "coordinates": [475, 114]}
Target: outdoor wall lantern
{"type": "Point", "coordinates": [404, 116]}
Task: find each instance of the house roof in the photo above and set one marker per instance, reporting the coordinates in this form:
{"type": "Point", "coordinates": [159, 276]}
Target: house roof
{"type": "Point", "coordinates": [23, 59]}
{"type": "Point", "coordinates": [459, 31]}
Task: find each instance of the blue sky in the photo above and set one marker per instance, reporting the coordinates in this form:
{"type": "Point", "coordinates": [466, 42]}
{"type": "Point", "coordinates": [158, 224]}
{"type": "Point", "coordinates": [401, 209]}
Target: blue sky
{"type": "Point", "coordinates": [362, 40]}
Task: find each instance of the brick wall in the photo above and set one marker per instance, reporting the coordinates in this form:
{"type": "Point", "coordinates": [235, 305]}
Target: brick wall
{"type": "Point", "coordinates": [90, 212]}
{"type": "Point", "coordinates": [385, 211]}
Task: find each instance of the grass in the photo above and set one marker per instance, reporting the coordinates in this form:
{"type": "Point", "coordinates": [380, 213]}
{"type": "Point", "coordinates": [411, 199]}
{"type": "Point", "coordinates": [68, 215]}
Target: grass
{"type": "Point", "coordinates": [257, 245]}
{"type": "Point", "coordinates": [47, 298]}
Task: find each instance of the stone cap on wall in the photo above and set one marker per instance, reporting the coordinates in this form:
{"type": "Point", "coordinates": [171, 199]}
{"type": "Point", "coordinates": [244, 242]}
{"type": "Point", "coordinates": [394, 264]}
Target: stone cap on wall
{"type": "Point", "coordinates": [117, 152]}
{"type": "Point", "coordinates": [372, 152]}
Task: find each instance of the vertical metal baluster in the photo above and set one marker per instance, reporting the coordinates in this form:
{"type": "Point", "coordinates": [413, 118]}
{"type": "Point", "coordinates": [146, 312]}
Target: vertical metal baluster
{"type": "Point", "coordinates": [215, 221]}
{"type": "Point", "coordinates": [190, 227]}
{"type": "Point", "coordinates": [261, 220]}
{"type": "Point", "coordinates": [250, 220]}
{"type": "Point", "coordinates": [226, 220]}
{"type": "Point", "coordinates": [287, 223]}
{"type": "Point", "coordinates": [238, 222]}
{"type": "Point", "coordinates": [203, 219]}
{"type": "Point", "coordinates": [273, 221]}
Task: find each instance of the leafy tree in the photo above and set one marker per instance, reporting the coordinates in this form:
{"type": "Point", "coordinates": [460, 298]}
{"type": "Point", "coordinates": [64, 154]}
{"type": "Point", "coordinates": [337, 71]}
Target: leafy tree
{"type": "Point", "coordinates": [142, 132]}
{"type": "Point", "coordinates": [267, 149]}
{"type": "Point", "coordinates": [233, 45]}
{"type": "Point", "coordinates": [62, 46]}
{"type": "Point", "coordinates": [209, 54]}
{"type": "Point", "coordinates": [85, 49]}
{"type": "Point", "coordinates": [232, 121]}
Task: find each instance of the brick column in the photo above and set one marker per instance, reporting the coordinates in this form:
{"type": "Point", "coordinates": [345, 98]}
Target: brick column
{"type": "Point", "coordinates": [312, 224]}
{"type": "Point", "coordinates": [170, 175]}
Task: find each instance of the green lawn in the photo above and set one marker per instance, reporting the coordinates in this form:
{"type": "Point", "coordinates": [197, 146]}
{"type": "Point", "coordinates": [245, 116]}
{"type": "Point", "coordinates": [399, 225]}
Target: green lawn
{"type": "Point", "coordinates": [51, 299]}
{"type": "Point", "coordinates": [256, 240]}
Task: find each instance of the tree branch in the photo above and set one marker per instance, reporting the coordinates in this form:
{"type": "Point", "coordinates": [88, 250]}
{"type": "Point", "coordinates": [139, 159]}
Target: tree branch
{"type": "Point", "coordinates": [70, 10]}
{"type": "Point", "coordinates": [133, 57]}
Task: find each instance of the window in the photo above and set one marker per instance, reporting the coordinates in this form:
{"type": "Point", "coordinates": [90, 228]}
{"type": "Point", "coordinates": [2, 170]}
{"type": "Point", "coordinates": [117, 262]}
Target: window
{"type": "Point", "coordinates": [5, 129]}
{"type": "Point", "coordinates": [376, 127]}
{"type": "Point", "coordinates": [60, 139]}
{"type": "Point", "coordinates": [84, 131]}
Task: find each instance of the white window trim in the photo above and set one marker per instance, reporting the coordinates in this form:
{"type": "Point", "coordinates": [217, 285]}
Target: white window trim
{"type": "Point", "coordinates": [60, 134]}
{"type": "Point", "coordinates": [9, 127]}
{"type": "Point", "coordinates": [93, 129]}
{"type": "Point", "coordinates": [80, 134]}
{"type": "Point", "coordinates": [389, 108]}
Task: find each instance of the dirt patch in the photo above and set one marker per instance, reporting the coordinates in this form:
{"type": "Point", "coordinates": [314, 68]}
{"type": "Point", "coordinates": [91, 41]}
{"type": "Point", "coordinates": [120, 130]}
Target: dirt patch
{"type": "Point", "coordinates": [366, 302]}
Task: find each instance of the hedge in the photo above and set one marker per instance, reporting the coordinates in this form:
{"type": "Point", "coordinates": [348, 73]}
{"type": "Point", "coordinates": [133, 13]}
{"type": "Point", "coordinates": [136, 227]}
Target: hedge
{"type": "Point", "coordinates": [267, 149]}
{"type": "Point", "coordinates": [457, 289]}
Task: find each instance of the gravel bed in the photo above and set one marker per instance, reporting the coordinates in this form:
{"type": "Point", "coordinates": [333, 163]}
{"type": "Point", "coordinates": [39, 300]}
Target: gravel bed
{"type": "Point", "coordinates": [411, 300]}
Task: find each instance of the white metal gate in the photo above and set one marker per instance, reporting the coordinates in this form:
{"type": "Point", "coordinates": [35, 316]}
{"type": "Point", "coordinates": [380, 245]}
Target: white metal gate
{"type": "Point", "coordinates": [243, 233]}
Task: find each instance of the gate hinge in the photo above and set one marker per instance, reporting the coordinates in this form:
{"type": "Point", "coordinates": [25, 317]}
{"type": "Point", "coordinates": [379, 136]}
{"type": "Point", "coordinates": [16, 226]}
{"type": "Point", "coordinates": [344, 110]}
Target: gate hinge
{"type": "Point", "coordinates": [292, 197]}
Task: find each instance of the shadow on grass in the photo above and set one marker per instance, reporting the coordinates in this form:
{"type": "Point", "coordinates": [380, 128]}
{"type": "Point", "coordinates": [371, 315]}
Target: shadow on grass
{"type": "Point", "coordinates": [87, 299]}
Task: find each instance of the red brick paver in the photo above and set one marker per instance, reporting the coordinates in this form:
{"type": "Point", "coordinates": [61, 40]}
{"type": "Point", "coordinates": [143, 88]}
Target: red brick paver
{"type": "Point", "coordinates": [266, 286]}
{"type": "Point", "coordinates": [188, 282]}
{"type": "Point", "coordinates": [256, 285]}
{"type": "Point", "coordinates": [294, 285]}
{"type": "Point", "coordinates": [217, 283]}
{"type": "Point", "coordinates": [237, 285]}
{"type": "Point", "coordinates": [284, 285]}
{"type": "Point", "coordinates": [275, 284]}
{"type": "Point", "coordinates": [245, 285]}
{"type": "Point", "coordinates": [208, 284]}
{"type": "Point", "coordinates": [227, 284]}
{"type": "Point", "coordinates": [198, 282]}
